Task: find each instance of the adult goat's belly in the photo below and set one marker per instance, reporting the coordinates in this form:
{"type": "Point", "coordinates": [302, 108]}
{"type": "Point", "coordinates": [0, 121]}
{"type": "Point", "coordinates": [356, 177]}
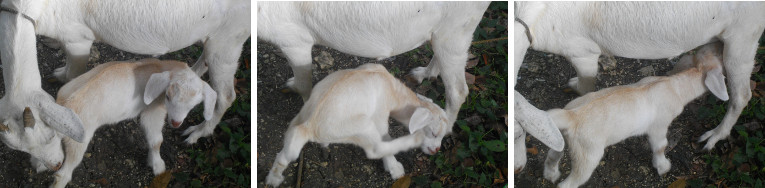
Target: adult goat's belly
{"type": "Point", "coordinates": [152, 28]}
{"type": "Point", "coordinates": [661, 31]}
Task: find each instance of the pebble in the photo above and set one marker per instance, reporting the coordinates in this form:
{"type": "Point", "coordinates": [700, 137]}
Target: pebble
{"type": "Point", "coordinates": [647, 71]}
{"type": "Point", "coordinates": [324, 59]}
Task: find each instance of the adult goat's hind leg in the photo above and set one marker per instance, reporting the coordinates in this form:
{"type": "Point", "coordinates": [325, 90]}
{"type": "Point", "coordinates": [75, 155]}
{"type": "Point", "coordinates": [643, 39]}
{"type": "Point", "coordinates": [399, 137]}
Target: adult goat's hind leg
{"type": "Point", "coordinates": [738, 61]}
{"type": "Point", "coordinates": [222, 55]}
{"type": "Point", "coordinates": [77, 54]}
{"type": "Point", "coordinates": [583, 55]}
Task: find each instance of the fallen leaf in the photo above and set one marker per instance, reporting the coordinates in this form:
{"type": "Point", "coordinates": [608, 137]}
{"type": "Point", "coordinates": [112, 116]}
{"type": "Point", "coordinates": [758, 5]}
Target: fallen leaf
{"type": "Point", "coordinates": [469, 78]}
{"type": "Point", "coordinates": [506, 120]}
{"type": "Point", "coordinates": [744, 168]}
{"type": "Point", "coordinates": [471, 63]}
{"type": "Point", "coordinates": [498, 181]}
{"type": "Point", "coordinates": [402, 182]}
{"type": "Point", "coordinates": [485, 59]}
{"type": "Point", "coordinates": [161, 180]}
{"type": "Point", "coordinates": [533, 150]}
{"type": "Point", "coordinates": [102, 181]}
{"type": "Point", "coordinates": [680, 183]}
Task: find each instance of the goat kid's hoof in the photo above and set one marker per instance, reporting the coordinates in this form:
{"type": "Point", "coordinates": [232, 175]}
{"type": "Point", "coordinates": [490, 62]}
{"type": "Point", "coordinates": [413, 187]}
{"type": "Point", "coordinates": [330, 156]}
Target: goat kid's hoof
{"type": "Point", "coordinates": [417, 74]}
{"type": "Point", "coordinates": [60, 75]}
{"type": "Point", "coordinates": [552, 175]}
{"type": "Point", "coordinates": [662, 167]}
{"type": "Point", "coordinates": [396, 170]}
{"type": "Point", "coordinates": [274, 180]}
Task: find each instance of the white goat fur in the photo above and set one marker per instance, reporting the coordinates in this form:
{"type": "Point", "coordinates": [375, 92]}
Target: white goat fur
{"type": "Point", "coordinates": [138, 26]}
{"type": "Point", "coordinates": [353, 106]}
{"type": "Point", "coordinates": [582, 31]}
{"type": "Point", "coordinates": [599, 119]}
{"type": "Point", "coordinates": [117, 91]}
{"type": "Point", "coordinates": [376, 30]}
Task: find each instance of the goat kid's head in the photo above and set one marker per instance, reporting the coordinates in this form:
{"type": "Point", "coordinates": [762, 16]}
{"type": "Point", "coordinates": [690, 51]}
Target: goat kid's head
{"type": "Point", "coordinates": [431, 121]}
{"type": "Point", "coordinates": [182, 91]}
{"type": "Point", "coordinates": [708, 59]}
{"type": "Point", "coordinates": [35, 129]}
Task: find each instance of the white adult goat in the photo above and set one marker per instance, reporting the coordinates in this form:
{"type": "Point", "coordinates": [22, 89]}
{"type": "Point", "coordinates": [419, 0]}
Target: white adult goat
{"type": "Point", "coordinates": [376, 30]}
{"type": "Point", "coordinates": [353, 106]}
{"type": "Point", "coordinates": [602, 118]}
{"type": "Point", "coordinates": [582, 31]}
{"type": "Point", "coordinates": [117, 91]}
{"type": "Point", "coordinates": [138, 26]}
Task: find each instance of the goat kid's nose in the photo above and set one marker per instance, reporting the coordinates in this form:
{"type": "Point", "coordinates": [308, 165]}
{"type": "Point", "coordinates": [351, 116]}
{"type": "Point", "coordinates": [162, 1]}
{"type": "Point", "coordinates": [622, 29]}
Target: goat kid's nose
{"type": "Point", "coordinates": [58, 166]}
{"type": "Point", "coordinates": [176, 124]}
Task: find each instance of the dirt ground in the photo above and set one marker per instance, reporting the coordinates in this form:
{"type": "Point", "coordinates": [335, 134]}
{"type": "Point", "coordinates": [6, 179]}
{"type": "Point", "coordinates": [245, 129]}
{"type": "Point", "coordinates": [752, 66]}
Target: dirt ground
{"type": "Point", "coordinates": [117, 154]}
{"type": "Point", "coordinates": [342, 165]}
{"type": "Point", "coordinates": [542, 80]}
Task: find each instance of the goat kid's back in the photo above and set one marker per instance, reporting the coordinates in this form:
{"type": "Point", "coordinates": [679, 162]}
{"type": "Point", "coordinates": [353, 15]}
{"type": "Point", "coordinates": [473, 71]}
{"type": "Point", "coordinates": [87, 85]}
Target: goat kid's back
{"type": "Point", "coordinates": [111, 85]}
{"type": "Point", "coordinates": [608, 116]}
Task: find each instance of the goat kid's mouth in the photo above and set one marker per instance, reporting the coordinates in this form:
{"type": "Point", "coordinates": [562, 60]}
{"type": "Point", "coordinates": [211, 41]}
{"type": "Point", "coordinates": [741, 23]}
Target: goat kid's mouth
{"type": "Point", "coordinates": [175, 124]}
{"type": "Point", "coordinates": [54, 168]}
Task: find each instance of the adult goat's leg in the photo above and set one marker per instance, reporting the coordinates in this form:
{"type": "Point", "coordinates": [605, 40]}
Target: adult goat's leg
{"type": "Point", "coordinates": [738, 61]}
{"type": "Point", "coordinates": [77, 54]}
{"type": "Point", "coordinates": [221, 55]}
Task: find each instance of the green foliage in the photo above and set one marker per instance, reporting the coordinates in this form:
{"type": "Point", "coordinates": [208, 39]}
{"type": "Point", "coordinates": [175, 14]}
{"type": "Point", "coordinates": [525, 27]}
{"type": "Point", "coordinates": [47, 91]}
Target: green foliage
{"type": "Point", "coordinates": [479, 155]}
{"type": "Point", "coordinates": [744, 166]}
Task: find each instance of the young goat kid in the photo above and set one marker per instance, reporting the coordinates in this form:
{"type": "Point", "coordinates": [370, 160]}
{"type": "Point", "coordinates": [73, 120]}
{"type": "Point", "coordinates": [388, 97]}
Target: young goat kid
{"type": "Point", "coordinates": [599, 119]}
{"type": "Point", "coordinates": [353, 106]}
{"type": "Point", "coordinates": [116, 91]}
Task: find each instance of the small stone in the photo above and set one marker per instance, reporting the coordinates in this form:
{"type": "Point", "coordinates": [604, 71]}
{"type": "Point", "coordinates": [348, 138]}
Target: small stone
{"type": "Point", "coordinates": [323, 164]}
{"type": "Point", "coordinates": [324, 59]}
{"type": "Point", "coordinates": [647, 71]}
{"type": "Point", "coordinates": [129, 162]}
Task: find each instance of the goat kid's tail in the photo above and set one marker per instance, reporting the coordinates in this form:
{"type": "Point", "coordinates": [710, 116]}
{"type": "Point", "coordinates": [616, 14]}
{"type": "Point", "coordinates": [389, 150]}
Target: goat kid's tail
{"type": "Point", "coordinates": [561, 118]}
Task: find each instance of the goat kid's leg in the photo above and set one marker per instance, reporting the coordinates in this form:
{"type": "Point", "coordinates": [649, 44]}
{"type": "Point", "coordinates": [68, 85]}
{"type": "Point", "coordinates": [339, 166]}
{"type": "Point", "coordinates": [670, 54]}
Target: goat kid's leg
{"type": "Point", "coordinates": [658, 140]}
{"type": "Point", "coordinates": [221, 56]}
{"type": "Point", "coordinates": [376, 148]}
{"type": "Point", "coordinates": [294, 140]}
{"type": "Point", "coordinates": [738, 63]}
{"type": "Point", "coordinates": [431, 71]}
{"type": "Point", "coordinates": [395, 168]}
{"type": "Point", "coordinates": [74, 152]}
{"type": "Point", "coordinates": [152, 121]}
{"type": "Point", "coordinates": [77, 54]}
{"type": "Point", "coordinates": [585, 158]}
{"type": "Point", "coordinates": [551, 165]}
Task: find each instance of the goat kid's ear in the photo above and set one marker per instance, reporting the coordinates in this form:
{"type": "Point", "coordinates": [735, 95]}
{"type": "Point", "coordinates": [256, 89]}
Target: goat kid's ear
{"type": "Point", "coordinates": [421, 97]}
{"type": "Point", "coordinates": [715, 81]}
{"type": "Point", "coordinates": [419, 119]}
{"type": "Point", "coordinates": [209, 102]}
{"type": "Point", "coordinates": [156, 85]}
